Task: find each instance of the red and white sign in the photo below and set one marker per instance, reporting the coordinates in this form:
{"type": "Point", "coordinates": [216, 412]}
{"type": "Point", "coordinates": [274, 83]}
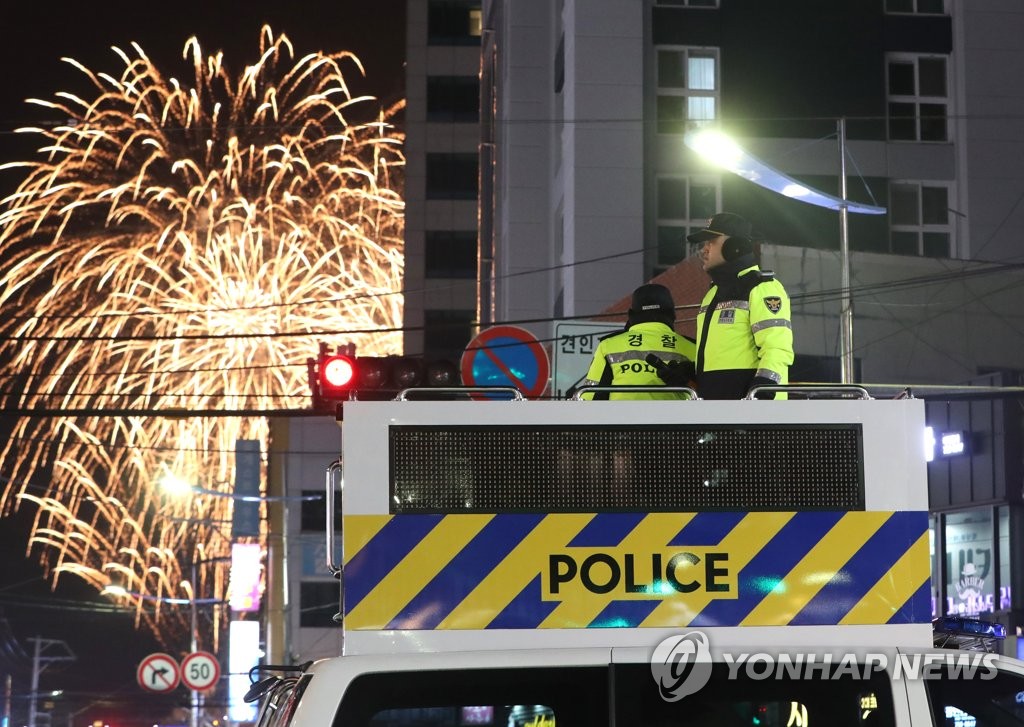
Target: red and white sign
{"type": "Point", "coordinates": [200, 670]}
{"type": "Point", "coordinates": [506, 356]}
{"type": "Point", "coordinates": [158, 673]}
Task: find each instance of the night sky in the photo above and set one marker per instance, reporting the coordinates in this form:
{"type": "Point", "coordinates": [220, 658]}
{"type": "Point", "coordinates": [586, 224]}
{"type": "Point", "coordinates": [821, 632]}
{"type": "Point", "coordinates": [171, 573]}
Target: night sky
{"type": "Point", "coordinates": [35, 36]}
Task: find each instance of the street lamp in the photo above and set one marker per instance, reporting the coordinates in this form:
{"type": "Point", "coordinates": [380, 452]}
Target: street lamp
{"type": "Point", "coordinates": [719, 149]}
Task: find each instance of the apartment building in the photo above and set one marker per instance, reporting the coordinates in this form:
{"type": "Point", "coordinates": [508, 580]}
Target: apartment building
{"type": "Point", "coordinates": [443, 42]}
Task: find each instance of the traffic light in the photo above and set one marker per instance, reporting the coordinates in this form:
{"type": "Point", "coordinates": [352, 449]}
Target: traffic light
{"type": "Point", "coordinates": [332, 376]}
{"type": "Point", "coordinates": [335, 377]}
{"type": "Point", "coordinates": [389, 374]}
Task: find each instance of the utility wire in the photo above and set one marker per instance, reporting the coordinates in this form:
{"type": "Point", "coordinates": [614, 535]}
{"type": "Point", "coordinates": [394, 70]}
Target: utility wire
{"type": "Point", "coordinates": [823, 296]}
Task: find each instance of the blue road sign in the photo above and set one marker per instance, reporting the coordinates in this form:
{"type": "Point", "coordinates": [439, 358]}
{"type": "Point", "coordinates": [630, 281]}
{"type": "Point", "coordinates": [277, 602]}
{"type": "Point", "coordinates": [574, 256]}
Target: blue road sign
{"type": "Point", "coordinates": [506, 356]}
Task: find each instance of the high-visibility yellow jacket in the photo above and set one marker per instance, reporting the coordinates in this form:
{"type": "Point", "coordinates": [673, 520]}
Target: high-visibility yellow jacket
{"type": "Point", "coordinates": [620, 360]}
{"type": "Point", "coordinates": [743, 331]}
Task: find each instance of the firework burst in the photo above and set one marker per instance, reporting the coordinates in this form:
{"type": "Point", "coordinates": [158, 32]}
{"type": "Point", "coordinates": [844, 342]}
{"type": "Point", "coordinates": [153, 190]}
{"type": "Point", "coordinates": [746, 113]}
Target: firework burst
{"type": "Point", "coordinates": [179, 246]}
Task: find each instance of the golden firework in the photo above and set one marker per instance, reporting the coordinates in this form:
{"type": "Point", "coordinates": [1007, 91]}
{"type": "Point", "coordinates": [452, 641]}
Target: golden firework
{"type": "Point", "coordinates": [183, 247]}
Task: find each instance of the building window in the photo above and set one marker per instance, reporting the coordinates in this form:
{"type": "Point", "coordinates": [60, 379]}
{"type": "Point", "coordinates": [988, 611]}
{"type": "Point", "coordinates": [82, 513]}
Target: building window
{"type": "Point", "coordinates": [919, 216]}
{"type": "Point", "coordinates": [453, 98]}
{"type": "Point", "coordinates": [917, 7]}
{"type": "Point", "coordinates": [447, 332]}
{"type": "Point", "coordinates": [318, 602]}
{"type": "Point", "coordinates": [918, 98]}
{"type": "Point", "coordinates": [684, 206]}
{"type": "Point", "coordinates": [454, 22]}
{"type": "Point", "coordinates": [560, 64]}
{"type": "Point", "coordinates": [687, 88]}
{"type": "Point", "coordinates": [450, 254]}
{"type": "Point", "coordinates": [314, 511]}
{"type": "Point", "coordinates": [452, 176]}
{"type": "Point", "coordinates": [970, 574]}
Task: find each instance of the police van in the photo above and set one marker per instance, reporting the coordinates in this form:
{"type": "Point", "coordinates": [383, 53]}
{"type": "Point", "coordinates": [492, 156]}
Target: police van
{"type": "Point", "coordinates": [516, 563]}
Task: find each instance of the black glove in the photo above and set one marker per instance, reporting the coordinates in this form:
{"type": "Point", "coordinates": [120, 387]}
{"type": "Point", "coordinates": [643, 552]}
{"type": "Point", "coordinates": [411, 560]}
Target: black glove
{"type": "Point", "coordinates": [763, 381]}
{"type": "Point", "coordinates": [673, 373]}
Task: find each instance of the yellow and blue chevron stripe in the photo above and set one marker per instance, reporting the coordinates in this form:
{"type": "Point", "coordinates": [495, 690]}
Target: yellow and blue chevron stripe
{"type": "Point", "coordinates": [628, 570]}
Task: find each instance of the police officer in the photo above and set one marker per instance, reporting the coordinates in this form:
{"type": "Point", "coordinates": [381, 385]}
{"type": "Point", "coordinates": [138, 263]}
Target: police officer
{"type": "Point", "coordinates": [744, 334]}
{"type": "Point", "coordinates": [621, 358]}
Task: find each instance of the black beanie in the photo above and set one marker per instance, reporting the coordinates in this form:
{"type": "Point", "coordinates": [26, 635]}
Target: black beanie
{"type": "Point", "coordinates": [652, 302]}
{"type": "Point", "coordinates": [653, 298]}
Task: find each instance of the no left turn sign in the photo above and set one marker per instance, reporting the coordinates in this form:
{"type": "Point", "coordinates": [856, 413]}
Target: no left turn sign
{"type": "Point", "coordinates": [200, 670]}
{"type": "Point", "coordinates": [158, 673]}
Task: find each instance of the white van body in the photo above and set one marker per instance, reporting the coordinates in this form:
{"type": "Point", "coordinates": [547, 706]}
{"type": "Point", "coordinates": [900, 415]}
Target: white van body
{"type": "Point", "coordinates": [522, 563]}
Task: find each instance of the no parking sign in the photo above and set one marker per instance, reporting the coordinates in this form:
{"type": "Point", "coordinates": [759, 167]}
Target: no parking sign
{"type": "Point", "coordinates": [506, 356]}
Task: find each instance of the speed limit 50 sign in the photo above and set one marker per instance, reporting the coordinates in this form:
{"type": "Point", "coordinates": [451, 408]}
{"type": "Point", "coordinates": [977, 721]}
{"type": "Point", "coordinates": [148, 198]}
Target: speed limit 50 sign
{"type": "Point", "coordinates": [200, 670]}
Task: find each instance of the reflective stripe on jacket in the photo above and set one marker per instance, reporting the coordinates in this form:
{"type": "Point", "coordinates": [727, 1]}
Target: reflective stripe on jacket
{"type": "Point", "coordinates": [620, 360]}
{"type": "Point", "coordinates": [743, 331]}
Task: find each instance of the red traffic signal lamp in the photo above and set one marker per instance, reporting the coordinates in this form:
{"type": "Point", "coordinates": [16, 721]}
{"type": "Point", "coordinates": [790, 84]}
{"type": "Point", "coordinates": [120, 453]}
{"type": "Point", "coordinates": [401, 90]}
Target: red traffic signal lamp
{"type": "Point", "coordinates": [332, 375]}
{"type": "Point", "coordinates": [335, 377]}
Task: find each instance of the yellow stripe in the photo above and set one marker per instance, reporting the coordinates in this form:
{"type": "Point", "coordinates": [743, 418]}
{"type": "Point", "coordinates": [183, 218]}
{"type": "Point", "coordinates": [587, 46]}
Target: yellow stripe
{"type": "Point", "coordinates": [816, 569]}
{"type": "Point", "coordinates": [651, 533]}
{"type": "Point", "coordinates": [892, 590]}
{"type": "Point", "coordinates": [414, 572]}
{"type": "Point", "coordinates": [527, 561]}
{"type": "Point", "coordinates": [742, 543]}
{"type": "Point", "coordinates": [358, 530]}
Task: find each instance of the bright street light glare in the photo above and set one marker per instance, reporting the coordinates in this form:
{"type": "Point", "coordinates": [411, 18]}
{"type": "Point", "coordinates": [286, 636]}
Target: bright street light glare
{"type": "Point", "coordinates": [723, 152]}
{"type": "Point", "coordinates": [174, 485]}
{"type": "Point", "coordinates": [717, 148]}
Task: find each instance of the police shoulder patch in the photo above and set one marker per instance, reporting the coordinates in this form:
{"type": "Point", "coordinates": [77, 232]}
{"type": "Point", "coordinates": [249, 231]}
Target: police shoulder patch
{"type": "Point", "coordinates": [773, 303]}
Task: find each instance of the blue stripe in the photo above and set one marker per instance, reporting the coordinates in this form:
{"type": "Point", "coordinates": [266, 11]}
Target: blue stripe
{"type": "Point", "coordinates": [766, 570]}
{"type": "Point", "coordinates": [707, 528]}
{"type": "Point", "coordinates": [856, 578]}
{"type": "Point", "coordinates": [917, 609]}
{"type": "Point", "coordinates": [624, 614]}
{"type": "Point", "coordinates": [606, 530]}
{"type": "Point", "coordinates": [526, 611]}
{"type": "Point", "coordinates": [385, 550]}
{"type": "Point", "coordinates": [457, 578]}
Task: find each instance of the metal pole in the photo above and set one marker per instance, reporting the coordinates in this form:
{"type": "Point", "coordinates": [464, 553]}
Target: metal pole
{"type": "Point", "coordinates": [36, 668]}
{"type": "Point", "coordinates": [846, 310]}
{"type": "Point", "coordinates": [485, 203]}
{"type": "Point", "coordinates": [193, 646]}
{"type": "Point", "coordinates": [6, 719]}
